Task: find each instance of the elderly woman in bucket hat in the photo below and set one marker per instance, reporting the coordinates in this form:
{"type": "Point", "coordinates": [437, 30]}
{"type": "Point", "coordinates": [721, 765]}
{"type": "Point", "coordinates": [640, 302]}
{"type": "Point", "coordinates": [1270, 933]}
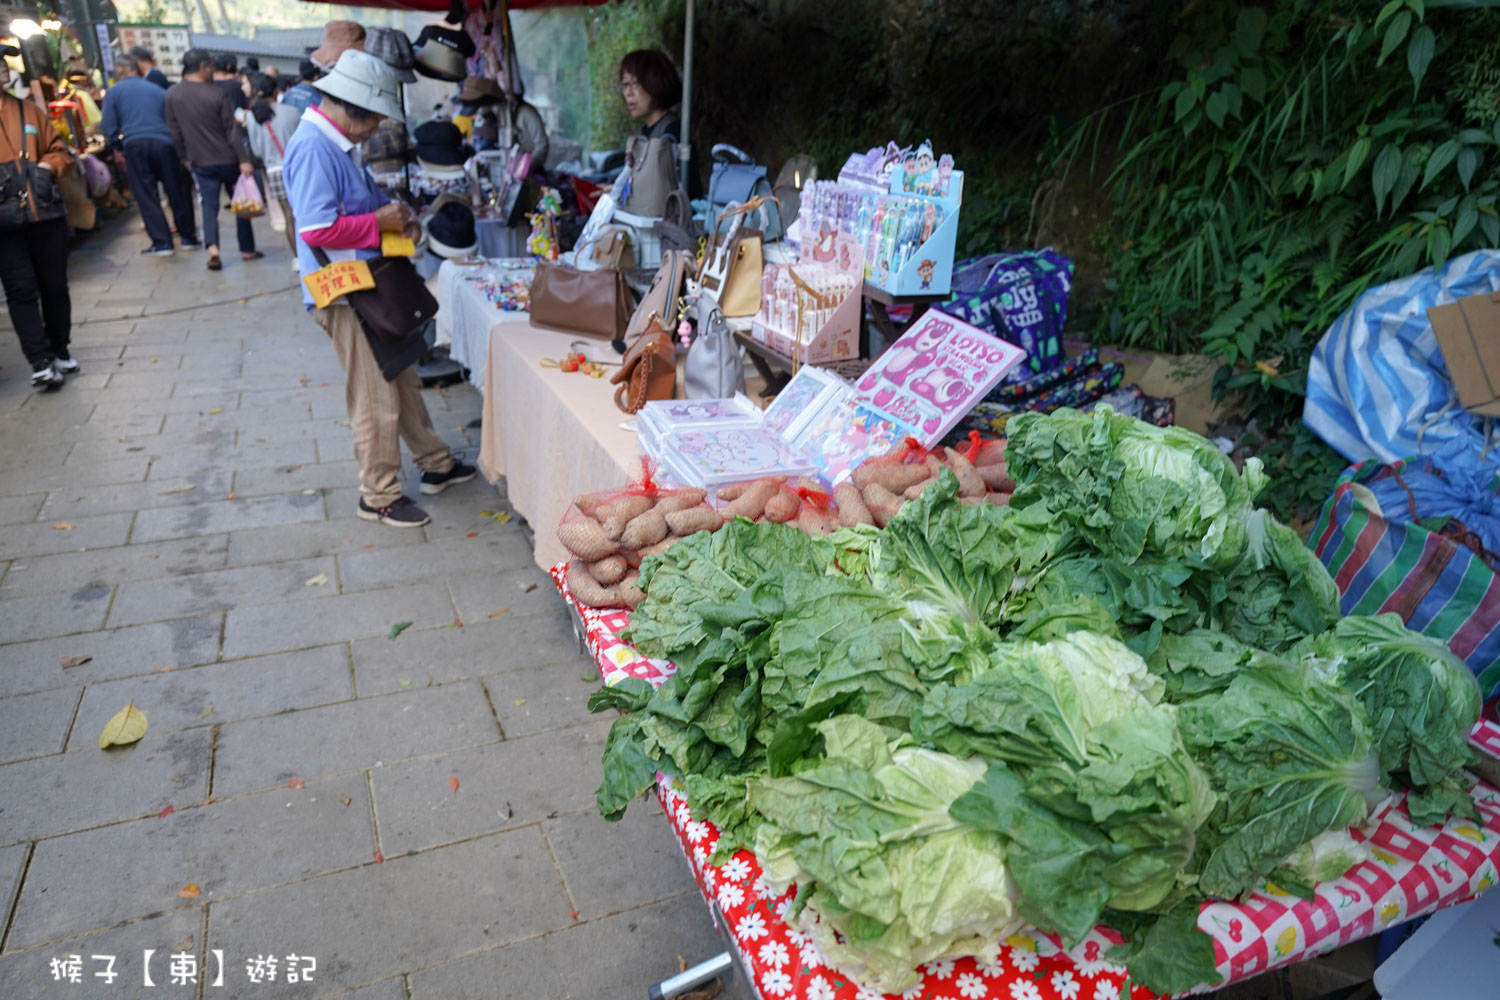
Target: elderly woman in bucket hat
{"type": "Point", "coordinates": [339, 209]}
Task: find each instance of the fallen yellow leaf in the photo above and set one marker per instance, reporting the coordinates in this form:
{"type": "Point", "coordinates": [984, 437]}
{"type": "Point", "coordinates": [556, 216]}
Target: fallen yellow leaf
{"type": "Point", "coordinates": [520, 701]}
{"type": "Point", "coordinates": [317, 581]}
{"type": "Point", "coordinates": [217, 409]}
{"type": "Point", "coordinates": [61, 526]}
{"type": "Point", "coordinates": [497, 614]}
{"type": "Point", "coordinates": [190, 891]}
{"type": "Point", "coordinates": [177, 489]}
{"type": "Point", "coordinates": [128, 725]}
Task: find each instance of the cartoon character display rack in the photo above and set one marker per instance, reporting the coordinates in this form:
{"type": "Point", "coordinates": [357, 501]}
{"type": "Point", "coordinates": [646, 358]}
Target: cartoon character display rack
{"type": "Point", "coordinates": [901, 207]}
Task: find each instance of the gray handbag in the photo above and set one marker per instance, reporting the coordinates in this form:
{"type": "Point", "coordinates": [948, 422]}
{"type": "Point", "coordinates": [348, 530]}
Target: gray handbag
{"type": "Point", "coordinates": [714, 368]}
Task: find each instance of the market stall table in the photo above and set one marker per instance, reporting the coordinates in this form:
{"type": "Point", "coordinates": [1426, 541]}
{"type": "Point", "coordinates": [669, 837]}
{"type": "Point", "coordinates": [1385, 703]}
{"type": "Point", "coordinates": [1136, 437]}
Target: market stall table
{"type": "Point", "coordinates": [1414, 871]}
{"type": "Point", "coordinates": [553, 435]}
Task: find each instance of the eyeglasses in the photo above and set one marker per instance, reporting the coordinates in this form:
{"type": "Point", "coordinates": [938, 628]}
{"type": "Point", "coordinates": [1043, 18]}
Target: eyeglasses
{"type": "Point", "coordinates": [629, 87]}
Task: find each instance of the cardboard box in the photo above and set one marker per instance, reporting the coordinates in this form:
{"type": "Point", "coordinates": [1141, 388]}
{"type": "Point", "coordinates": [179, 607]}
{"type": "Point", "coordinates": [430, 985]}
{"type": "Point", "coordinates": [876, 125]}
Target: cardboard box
{"type": "Point", "coordinates": [1468, 332]}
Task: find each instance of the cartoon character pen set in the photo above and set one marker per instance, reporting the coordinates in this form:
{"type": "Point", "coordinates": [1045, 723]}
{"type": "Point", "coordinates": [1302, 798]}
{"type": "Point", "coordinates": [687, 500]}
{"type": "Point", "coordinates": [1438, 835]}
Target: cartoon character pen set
{"type": "Point", "coordinates": [907, 225]}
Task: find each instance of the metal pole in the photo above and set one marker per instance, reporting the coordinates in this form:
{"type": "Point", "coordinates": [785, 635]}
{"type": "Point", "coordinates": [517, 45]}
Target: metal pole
{"type": "Point", "coordinates": [699, 974]}
{"type": "Point", "coordinates": [685, 152]}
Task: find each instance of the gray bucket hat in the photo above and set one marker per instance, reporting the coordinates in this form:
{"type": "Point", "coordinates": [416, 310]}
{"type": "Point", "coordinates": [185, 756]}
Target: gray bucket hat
{"type": "Point", "coordinates": [364, 81]}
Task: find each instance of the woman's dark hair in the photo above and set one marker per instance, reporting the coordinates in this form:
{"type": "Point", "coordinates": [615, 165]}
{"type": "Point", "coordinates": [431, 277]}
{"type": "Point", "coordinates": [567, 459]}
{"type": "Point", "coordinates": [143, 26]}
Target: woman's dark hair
{"type": "Point", "coordinates": [263, 85]}
{"type": "Point", "coordinates": [656, 75]}
{"type": "Point", "coordinates": [353, 110]}
{"type": "Point", "coordinates": [253, 64]}
{"type": "Point", "coordinates": [224, 62]}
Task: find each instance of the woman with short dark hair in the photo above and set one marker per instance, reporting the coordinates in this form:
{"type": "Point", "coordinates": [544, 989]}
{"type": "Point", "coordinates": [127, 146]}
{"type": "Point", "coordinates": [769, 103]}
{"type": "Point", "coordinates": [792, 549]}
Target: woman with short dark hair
{"type": "Point", "coordinates": [652, 89]}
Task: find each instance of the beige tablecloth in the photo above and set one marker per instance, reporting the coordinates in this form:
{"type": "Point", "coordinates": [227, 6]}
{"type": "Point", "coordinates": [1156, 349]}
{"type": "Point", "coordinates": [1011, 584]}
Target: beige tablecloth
{"type": "Point", "coordinates": [551, 434]}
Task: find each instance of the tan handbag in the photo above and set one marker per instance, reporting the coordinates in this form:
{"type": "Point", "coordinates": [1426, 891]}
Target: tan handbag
{"type": "Point", "coordinates": [661, 298]}
{"type": "Point", "coordinates": [593, 303]}
{"type": "Point", "coordinates": [648, 371]}
{"type": "Point", "coordinates": [734, 261]}
{"type": "Point", "coordinates": [614, 250]}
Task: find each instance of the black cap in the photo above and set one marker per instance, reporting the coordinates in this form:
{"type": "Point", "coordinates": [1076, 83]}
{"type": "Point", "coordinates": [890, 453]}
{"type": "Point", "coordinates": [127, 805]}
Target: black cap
{"type": "Point", "coordinates": [440, 143]}
{"type": "Point", "coordinates": [450, 230]}
{"type": "Point", "coordinates": [458, 41]}
{"type": "Point", "coordinates": [307, 69]}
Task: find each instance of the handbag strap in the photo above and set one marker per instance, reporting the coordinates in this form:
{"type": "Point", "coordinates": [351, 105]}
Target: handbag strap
{"type": "Point", "coordinates": [276, 139]}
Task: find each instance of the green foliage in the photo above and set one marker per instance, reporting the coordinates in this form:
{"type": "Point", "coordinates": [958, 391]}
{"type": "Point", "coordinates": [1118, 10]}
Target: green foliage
{"type": "Point", "coordinates": [613, 30]}
{"type": "Point", "coordinates": [1302, 152]}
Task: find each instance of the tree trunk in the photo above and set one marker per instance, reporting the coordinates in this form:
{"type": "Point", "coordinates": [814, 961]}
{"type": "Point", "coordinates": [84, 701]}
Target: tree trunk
{"type": "Point", "coordinates": [224, 13]}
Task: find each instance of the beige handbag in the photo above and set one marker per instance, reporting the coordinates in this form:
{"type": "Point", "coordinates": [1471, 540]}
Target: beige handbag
{"type": "Point", "coordinates": [653, 175]}
{"type": "Point", "coordinates": [734, 261]}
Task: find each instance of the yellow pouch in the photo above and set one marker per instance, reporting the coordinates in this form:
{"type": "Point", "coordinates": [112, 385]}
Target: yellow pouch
{"type": "Point", "coordinates": [339, 278]}
{"type": "Point", "coordinates": [396, 245]}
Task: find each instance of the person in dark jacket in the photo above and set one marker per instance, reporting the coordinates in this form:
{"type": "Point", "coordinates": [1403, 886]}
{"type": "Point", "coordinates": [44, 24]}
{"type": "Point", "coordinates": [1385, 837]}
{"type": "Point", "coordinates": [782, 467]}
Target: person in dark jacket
{"type": "Point", "coordinates": [207, 137]}
{"type": "Point", "coordinates": [34, 242]}
{"type": "Point", "coordinates": [135, 121]}
{"type": "Point", "coordinates": [227, 78]}
{"type": "Point", "coordinates": [652, 89]}
{"type": "Point", "coordinates": [150, 72]}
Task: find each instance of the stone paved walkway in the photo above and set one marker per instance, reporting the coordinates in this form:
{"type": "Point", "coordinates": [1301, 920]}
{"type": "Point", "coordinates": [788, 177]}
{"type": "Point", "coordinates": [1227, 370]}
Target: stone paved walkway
{"type": "Point", "coordinates": [182, 514]}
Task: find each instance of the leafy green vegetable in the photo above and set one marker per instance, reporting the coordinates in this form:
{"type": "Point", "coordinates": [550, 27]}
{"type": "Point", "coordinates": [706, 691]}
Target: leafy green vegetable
{"type": "Point", "coordinates": [1291, 758]}
{"type": "Point", "coordinates": [867, 835]}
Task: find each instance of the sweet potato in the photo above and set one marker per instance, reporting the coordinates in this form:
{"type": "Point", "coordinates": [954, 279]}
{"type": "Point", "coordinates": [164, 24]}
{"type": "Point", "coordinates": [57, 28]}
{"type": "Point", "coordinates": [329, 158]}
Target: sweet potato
{"type": "Point", "coordinates": [851, 505]}
{"type": "Point", "coordinates": [971, 501]}
{"type": "Point", "coordinates": [914, 492]}
{"type": "Point", "coordinates": [999, 499]}
{"type": "Point", "coordinates": [783, 506]}
{"type": "Point", "coordinates": [610, 570]}
{"type": "Point", "coordinates": [969, 482]}
{"type": "Point", "coordinates": [752, 502]}
{"type": "Point", "coordinates": [583, 537]}
{"type": "Point", "coordinates": [614, 517]}
{"type": "Point", "coordinates": [814, 521]}
{"type": "Point", "coordinates": [587, 590]}
{"type": "Point", "coordinates": [732, 492]}
{"type": "Point", "coordinates": [631, 594]}
{"type": "Point", "coordinates": [990, 453]}
{"type": "Point", "coordinates": [681, 500]}
{"type": "Point", "coordinates": [882, 503]}
{"type": "Point", "coordinates": [696, 519]}
{"type": "Point", "coordinates": [996, 479]}
{"type": "Point", "coordinates": [644, 529]}
{"type": "Point", "coordinates": [896, 477]}
{"type": "Point", "coordinates": [661, 546]}
{"type": "Point", "coordinates": [590, 502]}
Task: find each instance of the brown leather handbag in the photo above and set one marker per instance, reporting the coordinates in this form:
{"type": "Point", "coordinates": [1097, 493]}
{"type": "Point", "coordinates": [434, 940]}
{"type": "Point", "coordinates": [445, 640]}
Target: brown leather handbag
{"type": "Point", "coordinates": [648, 371]}
{"type": "Point", "coordinates": [593, 303]}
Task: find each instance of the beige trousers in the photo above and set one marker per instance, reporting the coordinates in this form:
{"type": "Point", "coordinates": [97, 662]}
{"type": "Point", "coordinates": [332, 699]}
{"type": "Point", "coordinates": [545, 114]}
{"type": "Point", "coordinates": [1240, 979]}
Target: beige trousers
{"type": "Point", "coordinates": [382, 414]}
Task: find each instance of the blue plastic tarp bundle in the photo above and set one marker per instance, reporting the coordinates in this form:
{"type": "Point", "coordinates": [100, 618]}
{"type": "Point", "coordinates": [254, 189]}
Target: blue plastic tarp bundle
{"type": "Point", "coordinates": [1377, 385]}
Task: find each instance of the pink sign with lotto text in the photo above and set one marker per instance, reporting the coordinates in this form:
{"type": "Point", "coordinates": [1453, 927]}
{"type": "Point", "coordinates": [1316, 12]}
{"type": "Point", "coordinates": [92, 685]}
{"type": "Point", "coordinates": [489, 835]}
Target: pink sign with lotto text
{"type": "Point", "coordinates": [939, 369]}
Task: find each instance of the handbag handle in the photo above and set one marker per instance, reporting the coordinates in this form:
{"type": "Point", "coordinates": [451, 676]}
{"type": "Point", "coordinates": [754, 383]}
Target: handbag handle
{"type": "Point", "coordinates": [723, 151]}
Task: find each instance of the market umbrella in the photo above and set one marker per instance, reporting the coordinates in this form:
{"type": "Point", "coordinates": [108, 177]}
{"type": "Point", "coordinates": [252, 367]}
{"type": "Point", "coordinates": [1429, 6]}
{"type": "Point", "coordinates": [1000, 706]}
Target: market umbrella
{"type": "Point", "coordinates": [504, 6]}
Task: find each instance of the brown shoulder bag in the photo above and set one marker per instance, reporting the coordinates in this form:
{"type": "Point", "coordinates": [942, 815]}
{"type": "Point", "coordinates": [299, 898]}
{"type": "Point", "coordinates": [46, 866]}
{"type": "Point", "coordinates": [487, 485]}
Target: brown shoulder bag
{"type": "Point", "coordinates": [648, 371]}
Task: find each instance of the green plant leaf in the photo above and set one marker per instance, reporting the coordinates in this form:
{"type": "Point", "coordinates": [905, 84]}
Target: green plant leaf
{"type": "Point", "coordinates": [1356, 159]}
{"type": "Point", "coordinates": [1438, 161]}
{"type": "Point", "coordinates": [1468, 162]}
{"type": "Point", "coordinates": [1489, 224]}
{"type": "Point", "coordinates": [1439, 242]}
{"type": "Point", "coordinates": [1419, 55]}
{"type": "Point", "coordinates": [1468, 218]}
{"type": "Point", "coordinates": [1386, 11]}
{"type": "Point", "coordinates": [1253, 83]}
{"type": "Point", "coordinates": [1384, 174]}
{"type": "Point", "coordinates": [1187, 99]}
{"type": "Point", "coordinates": [1395, 34]}
{"type": "Point", "coordinates": [1216, 107]}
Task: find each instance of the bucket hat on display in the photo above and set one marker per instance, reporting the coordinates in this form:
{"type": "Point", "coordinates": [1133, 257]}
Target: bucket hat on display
{"type": "Point", "coordinates": [450, 230]}
{"type": "Point", "coordinates": [392, 45]}
{"type": "Point", "coordinates": [364, 81]}
{"type": "Point", "coordinates": [443, 53]}
{"type": "Point", "coordinates": [338, 38]}
{"type": "Point", "coordinates": [480, 91]}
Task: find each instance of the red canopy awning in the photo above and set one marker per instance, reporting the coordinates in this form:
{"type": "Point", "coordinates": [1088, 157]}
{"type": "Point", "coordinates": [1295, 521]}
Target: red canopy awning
{"type": "Point", "coordinates": [441, 6]}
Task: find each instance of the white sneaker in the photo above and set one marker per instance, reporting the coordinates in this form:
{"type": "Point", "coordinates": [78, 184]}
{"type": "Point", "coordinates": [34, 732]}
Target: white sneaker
{"type": "Point", "coordinates": [47, 377]}
{"type": "Point", "coordinates": [67, 366]}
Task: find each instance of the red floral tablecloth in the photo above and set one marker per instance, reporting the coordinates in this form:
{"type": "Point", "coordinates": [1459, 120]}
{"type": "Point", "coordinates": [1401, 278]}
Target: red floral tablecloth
{"type": "Point", "coordinates": [1414, 871]}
